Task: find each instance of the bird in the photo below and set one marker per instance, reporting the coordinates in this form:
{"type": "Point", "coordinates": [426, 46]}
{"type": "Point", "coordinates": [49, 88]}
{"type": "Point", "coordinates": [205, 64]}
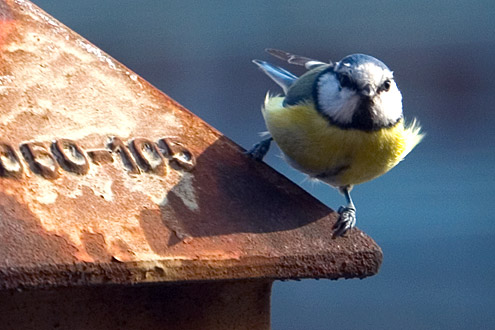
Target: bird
{"type": "Point", "coordinates": [341, 123]}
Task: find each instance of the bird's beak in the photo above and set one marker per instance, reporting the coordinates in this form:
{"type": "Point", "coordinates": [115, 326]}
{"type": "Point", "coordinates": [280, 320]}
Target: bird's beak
{"type": "Point", "coordinates": [368, 91]}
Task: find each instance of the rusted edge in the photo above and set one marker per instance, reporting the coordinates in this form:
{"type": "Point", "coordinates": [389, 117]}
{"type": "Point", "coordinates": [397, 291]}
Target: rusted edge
{"type": "Point", "coordinates": [360, 265]}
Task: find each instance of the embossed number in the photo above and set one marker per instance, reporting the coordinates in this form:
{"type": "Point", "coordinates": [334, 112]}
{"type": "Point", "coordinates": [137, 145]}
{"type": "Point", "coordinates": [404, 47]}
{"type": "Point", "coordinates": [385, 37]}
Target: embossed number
{"type": "Point", "coordinates": [70, 156]}
{"type": "Point", "coordinates": [40, 160]}
{"type": "Point", "coordinates": [117, 145]}
{"type": "Point", "coordinates": [10, 164]}
{"type": "Point", "coordinates": [148, 156]}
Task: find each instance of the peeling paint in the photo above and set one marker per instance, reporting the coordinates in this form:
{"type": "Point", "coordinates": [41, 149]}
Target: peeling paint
{"type": "Point", "coordinates": [186, 192]}
{"type": "Point", "coordinates": [5, 84]}
{"type": "Point", "coordinates": [41, 190]}
{"type": "Point", "coordinates": [87, 113]}
{"type": "Point", "coordinates": [38, 14]}
{"type": "Point", "coordinates": [98, 180]}
{"type": "Point", "coordinates": [96, 51]}
{"type": "Point", "coordinates": [156, 188]}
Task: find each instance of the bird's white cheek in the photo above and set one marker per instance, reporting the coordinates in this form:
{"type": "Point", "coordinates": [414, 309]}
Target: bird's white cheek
{"type": "Point", "coordinates": [338, 103]}
{"type": "Point", "coordinates": [345, 107]}
{"type": "Point", "coordinates": [390, 104]}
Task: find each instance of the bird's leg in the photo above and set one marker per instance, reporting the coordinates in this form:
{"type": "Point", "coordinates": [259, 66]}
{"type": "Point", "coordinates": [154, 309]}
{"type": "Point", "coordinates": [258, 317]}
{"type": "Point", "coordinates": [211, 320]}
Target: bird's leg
{"type": "Point", "coordinates": [259, 150]}
{"type": "Point", "coordinates": [347, 214]}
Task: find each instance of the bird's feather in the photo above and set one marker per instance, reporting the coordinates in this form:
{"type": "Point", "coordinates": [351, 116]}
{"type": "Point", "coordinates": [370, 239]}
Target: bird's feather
{"type": "Point", "coordinates": [307, 62]}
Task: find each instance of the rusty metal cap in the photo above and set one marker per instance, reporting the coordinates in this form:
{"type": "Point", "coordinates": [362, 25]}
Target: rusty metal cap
{"type": "Point", "coordinates": [105, 179]}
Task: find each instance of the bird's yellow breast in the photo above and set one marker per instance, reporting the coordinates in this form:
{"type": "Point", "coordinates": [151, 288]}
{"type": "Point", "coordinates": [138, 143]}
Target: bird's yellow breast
{"type": "Point", "coordinates": [337, 156]}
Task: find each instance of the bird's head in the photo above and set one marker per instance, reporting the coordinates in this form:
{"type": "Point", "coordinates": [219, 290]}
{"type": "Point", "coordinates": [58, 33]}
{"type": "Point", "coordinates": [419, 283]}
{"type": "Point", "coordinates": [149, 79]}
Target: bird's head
{"type": "Point", "coordinates": [358, 92]}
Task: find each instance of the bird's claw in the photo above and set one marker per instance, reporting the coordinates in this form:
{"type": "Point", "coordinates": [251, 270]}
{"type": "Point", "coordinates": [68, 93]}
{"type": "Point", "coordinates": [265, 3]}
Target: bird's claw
{"type": "Point", "coordinates": [346, 221]}
{"type": "Point", "coordinates": [259, 150]}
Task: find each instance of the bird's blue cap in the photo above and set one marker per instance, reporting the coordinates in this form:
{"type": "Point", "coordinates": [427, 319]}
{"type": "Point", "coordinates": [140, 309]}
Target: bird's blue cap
{"type": "Point", "coordinates": [360, 59]}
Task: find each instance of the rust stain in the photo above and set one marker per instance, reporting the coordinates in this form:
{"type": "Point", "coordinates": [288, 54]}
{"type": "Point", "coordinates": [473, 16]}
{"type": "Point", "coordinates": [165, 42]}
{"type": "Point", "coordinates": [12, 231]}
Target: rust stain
{"type": "Point", "coordinates": [6, 22]}
{"type": "Point", "coordinates": [104, 176]}
{"type": "Point", "coordinates": [6, 27]}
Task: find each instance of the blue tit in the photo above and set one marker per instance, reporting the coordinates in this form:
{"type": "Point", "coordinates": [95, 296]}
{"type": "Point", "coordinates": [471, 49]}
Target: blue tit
{"type": "Point", "coordinates": [340, 123]}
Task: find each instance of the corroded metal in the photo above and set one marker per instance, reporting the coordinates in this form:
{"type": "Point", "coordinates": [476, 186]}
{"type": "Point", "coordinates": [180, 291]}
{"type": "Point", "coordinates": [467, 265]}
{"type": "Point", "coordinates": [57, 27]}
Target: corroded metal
{"type": "Point", "coordinates": [104, 179]}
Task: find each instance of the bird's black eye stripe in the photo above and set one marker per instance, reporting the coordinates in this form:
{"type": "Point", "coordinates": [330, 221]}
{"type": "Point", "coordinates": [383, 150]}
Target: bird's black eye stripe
{"type": "Point", "coordinates": [346, 81]}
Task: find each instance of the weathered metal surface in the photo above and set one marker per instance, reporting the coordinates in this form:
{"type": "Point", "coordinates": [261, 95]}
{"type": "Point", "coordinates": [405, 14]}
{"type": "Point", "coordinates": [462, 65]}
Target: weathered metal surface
{"type": "Point", "coordinates": [104, 179]}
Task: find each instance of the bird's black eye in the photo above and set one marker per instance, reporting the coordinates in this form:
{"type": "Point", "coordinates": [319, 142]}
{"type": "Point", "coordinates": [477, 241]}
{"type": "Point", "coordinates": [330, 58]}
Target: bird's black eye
{"type": "Point", "coordinates": [345, 81]}
{"type": "Point", "coordinates": [386, 85]}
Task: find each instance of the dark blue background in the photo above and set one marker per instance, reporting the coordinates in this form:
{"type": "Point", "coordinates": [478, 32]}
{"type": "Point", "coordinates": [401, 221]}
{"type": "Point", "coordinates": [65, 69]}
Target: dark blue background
{"type": "Point", "coordinates": [432, 215]}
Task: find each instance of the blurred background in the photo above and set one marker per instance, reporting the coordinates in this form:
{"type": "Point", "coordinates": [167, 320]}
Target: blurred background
{"type": "Point", "coordinates": [432, 215]}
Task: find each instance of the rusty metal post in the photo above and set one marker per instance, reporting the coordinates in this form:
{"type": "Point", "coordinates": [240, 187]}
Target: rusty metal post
{"type": "Point", "coordinates": [206, 305]}
{"type": "Point", "coordinates": [121, 209]}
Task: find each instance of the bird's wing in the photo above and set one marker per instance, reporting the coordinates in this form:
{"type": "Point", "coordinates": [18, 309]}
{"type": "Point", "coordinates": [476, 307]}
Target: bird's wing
{"type": "Point", "coordinates": [281, 76]}
{"type": "Point", "coordinates": [307, 62]}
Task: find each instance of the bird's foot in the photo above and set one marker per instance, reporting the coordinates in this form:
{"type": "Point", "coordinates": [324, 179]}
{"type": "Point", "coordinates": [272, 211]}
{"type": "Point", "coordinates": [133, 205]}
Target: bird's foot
{"type": "Point", "coordinates": [346, 221]}
{"type": "Point", "coordinates": [259, 150]}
